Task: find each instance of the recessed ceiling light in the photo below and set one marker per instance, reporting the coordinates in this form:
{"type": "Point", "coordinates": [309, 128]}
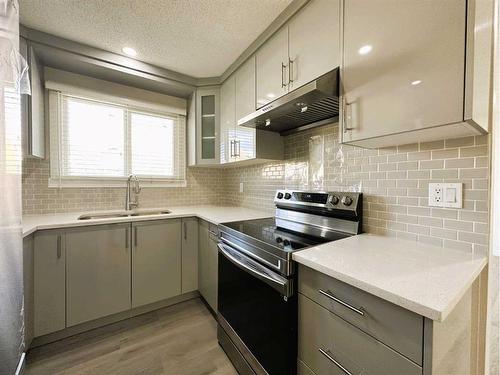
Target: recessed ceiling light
{"type": "Point", "coordinates": [129, 51]}
{"type": "Point", "coordinates": [365, 50]}
{"type": "Point", "coordinates": [417, 82]}
{"type": "Point", "coordinates": [270, 95]}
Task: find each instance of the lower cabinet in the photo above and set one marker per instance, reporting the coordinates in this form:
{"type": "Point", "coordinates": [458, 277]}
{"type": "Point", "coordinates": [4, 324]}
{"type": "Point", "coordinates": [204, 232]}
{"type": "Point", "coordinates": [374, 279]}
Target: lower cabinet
{"type": "Point", "coordinates": [189, 281]}
{"type": "Point", "coordinates": [49, 276]}
{"type": "Point", "coordinates": [156, 261]}
{"type": "Point", "coordinates": [207, 260]}
{"type": "Point", "coordinates": [86, 273]}
{"type": "Point", "coordinates": [97, 272]}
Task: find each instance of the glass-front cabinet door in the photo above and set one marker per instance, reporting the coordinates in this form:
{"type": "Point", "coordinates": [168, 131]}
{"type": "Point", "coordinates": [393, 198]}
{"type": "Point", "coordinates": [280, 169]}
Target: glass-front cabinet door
{"type": "Point", "coordinates": [207, 126]}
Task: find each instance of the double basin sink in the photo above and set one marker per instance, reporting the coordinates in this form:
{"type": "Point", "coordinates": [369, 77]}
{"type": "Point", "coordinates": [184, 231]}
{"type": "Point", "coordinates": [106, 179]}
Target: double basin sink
{"type": "Point", "coordinates": [123, 213]}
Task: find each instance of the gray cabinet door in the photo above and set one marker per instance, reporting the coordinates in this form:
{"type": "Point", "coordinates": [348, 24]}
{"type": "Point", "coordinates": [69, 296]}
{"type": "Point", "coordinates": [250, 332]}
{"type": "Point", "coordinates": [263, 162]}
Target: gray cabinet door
{"type": "Point", "coordinates": [403, 66]}
{"type": "Point", "coordinates": [189, 255]}
{"type": "Point", "coordinates": [156, 261]}
{"type": "Point", "coordinates": [49, 282]}
{"type": "Point", "coordinates": [227, 121]}
{"type": "Point", "coordinates": [97, 272]}
{"type": "Point", "coordinates": [33, 107]}
{"type": "Point", "coordinates": [207, 270]}
{"type": "Point", "coordinates": [314, 40]}
{"type": "Point", "coordinates": [271, 68]}
{"type": "Point", "coordinates": [327, 344]}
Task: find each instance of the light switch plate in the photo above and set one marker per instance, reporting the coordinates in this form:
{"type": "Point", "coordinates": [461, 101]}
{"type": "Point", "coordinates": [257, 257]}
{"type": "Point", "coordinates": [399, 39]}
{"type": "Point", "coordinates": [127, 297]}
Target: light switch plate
{"type": "Point", "coordinates": [445, 195]}
{"type": "Point", "coordinates": [241, 187]}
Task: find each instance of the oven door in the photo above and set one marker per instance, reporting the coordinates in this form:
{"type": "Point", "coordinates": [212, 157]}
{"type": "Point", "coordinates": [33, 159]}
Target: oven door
{"type": "Point", "coordinates": [258, 311]}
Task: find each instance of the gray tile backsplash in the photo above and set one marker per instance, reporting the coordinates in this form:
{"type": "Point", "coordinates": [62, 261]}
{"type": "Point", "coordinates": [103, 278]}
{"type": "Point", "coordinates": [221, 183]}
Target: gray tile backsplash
{"type": "Point", "coordinates": [394, 182]}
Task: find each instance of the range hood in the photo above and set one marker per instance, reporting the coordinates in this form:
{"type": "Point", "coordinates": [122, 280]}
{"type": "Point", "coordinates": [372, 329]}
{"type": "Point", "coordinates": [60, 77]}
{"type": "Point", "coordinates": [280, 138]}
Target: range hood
{"type": "Point", "coordinates": [313, 104]}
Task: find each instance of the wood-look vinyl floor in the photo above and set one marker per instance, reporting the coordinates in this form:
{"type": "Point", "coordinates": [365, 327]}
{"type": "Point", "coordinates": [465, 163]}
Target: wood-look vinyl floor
{"type": "Point", "coordinates": [176, 340]}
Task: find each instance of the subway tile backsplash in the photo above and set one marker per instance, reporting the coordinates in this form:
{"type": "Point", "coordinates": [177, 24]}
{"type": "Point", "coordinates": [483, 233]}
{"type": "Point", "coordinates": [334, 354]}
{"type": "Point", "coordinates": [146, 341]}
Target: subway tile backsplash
{"type": "Point", "coordinates": [394, 182]}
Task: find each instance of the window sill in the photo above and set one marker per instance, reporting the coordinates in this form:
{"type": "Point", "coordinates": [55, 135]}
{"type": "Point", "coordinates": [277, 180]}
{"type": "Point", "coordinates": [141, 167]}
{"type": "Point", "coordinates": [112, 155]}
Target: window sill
{"type": "Point", "coordinates": [119, 183]}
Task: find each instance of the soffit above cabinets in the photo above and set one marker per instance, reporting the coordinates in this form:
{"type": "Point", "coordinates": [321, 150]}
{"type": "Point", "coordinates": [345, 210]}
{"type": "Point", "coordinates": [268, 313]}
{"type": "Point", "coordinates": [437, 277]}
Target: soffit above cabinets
{"type": "Point", "coordinates": [182, 36]}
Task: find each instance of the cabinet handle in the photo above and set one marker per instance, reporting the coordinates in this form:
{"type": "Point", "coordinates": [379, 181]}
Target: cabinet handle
{"type": "Point", "coordinates": [335, 362]}
{"type": "Point", "coordinates": [231, 149]}
{"type": "Point", "coordinates": [126, 238]}
{"type": "Point", "coordinates": [345, 304]}
{"type": "Point", "coordinates": [350, 116]}
{"type": "Point", "coordinates": [237, 153]}
{"type": "Point", "coordinates": [290, 70]}
{"type": "Point", "coordinates": [185, 231]}
{"type": "Point", "coordinates": [59, 247]}
{"type": "Point", "coordinates": [135, 236]}
{"type": "Point", "coordinates": [283, 68]}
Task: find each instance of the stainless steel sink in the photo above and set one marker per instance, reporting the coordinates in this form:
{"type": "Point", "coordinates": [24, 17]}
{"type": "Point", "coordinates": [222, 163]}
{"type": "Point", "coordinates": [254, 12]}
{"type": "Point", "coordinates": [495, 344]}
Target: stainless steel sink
{"type": "Point", "coordinates": [117, 214]}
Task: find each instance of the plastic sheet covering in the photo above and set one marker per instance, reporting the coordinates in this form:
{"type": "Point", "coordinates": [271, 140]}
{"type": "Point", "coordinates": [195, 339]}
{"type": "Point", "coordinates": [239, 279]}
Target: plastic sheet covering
{"type": "Point", "coordinates": [13, 83]}
{"type": "Point", "coordinates": [13, 67]}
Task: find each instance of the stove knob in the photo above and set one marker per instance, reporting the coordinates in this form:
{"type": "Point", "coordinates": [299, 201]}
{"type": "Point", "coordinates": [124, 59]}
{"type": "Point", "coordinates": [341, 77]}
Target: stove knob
{"type": "Point", "coordinates": [288, 195]}
{"type": "Point", "coordinates": [286, 243]}
{"type": "Point", "coordinates": [346, 201]}
{"type": "Point", "coordinates": [280, 195]}
{"type": "Point", "coordinates": [334, 199]}
{"type": "Point", "coordinates": [279, 239]}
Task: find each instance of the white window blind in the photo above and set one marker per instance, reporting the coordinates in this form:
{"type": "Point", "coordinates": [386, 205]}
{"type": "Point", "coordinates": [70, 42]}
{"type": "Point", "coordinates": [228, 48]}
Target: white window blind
{"type": "Point", "coordinates": [99, 144]}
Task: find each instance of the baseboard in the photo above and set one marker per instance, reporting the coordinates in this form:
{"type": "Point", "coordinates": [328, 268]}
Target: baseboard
{"type": "Point", "coordinates": [87, 326]}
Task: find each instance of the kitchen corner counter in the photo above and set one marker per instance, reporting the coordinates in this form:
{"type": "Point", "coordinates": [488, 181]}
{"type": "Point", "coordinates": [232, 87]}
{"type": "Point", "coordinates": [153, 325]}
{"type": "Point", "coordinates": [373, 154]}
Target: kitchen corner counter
{"type": "Point", "coordinates": [425, 279]}
{"type": "Point", "coordinates": [211, 213]}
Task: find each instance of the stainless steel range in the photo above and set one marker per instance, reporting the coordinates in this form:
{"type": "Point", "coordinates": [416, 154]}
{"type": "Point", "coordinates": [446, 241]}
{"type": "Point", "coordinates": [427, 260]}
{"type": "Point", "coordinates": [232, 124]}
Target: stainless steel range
{"type": "Point", "coordinates": [257, 278]}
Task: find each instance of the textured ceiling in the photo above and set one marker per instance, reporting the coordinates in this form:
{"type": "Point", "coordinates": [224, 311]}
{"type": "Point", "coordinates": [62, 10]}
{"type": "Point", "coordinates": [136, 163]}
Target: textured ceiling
{"type": "Point", "coordinates": [200, 38]}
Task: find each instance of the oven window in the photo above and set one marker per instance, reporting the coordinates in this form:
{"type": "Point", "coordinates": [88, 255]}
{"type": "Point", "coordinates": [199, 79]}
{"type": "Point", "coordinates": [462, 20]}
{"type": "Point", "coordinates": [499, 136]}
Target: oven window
{"type": "Point", "coordinates": [263, 320]}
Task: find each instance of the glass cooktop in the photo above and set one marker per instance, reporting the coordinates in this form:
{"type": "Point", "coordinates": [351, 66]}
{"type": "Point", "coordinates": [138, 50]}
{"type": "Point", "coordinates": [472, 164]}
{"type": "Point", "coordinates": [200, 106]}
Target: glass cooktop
{"type": "Point", "coordinates": [267, 231]}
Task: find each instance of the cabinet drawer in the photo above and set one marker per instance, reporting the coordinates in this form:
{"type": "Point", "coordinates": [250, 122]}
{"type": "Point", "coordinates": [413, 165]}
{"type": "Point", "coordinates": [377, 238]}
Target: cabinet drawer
{"type": "Point", "coordinates": [396, 327]}
{"type": "Point", "coordinates": [330, 345]}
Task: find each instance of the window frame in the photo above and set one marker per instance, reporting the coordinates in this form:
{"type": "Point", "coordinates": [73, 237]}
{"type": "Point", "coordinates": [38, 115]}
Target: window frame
{"type": "Point", "coordinates": [58, 180]}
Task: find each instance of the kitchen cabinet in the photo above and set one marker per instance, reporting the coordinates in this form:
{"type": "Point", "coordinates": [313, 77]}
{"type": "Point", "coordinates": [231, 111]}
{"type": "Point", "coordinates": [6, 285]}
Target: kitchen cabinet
{"type": "Point", "coordinates": [32, 106]}
{"type": "Point", "coordinates": [228, 125]}
{"type": "Point", "coordinates": [28, 285]}
{"type": "Point", "coordinates": [208, 263]}
{"type": "Point", "coordinates": [207, 126]}
{"type": "Point", "coordinates": [301, 51]}
{"type": "Point", "coordinates": [240, 143]}
{"type": "Point", "coordinates": [49, 282]}
{"type": "Point", "coordinates": [189, 255]}
{"type": "Point", "coordinates": [404, 74]}
{"type": "Point", "coordinates": [342, 329]}
{"type": "Point", "coordinates": [271, 68]}
{"type": "Point", "coordinates": [98, 275]}
{"type": "Point", "coordinates": [314, 42]}
{"type": "Point", "coordinates": [156, 261]}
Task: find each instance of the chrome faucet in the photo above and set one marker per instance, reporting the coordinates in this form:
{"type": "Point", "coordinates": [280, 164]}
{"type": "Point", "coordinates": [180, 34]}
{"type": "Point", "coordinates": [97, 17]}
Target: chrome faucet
{"type": "Point", "coordinates": [129, 203]}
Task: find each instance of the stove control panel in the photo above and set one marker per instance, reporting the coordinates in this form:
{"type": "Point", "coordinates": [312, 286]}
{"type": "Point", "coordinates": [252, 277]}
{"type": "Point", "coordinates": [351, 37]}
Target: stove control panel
{"type": "Point", "coordinates": [314, 199]}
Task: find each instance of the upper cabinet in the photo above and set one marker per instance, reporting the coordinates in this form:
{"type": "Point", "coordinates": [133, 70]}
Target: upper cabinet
{"type": "Point", "coordinates": [272, 65]}
{"type": "Point", "coordinates": [302, 50]}
{"type": "Point", "coordinates": [203, 127]}
{"type": "Point", "coordinates": [404, 75]}
{"type": "Point", "coordinates": [314, 42]}
{"type": "Point", "coordinates": [239, 143]}
{"type": "Point", "coordinates": [33, 107]}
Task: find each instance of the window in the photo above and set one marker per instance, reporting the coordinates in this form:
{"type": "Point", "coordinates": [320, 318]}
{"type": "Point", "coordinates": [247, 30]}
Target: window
{"type": "Point", "coordinates": [96, 143]}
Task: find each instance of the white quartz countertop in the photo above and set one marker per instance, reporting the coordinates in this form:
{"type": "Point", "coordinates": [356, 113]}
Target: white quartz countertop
{"type": "Point", "coordinates": [425, 279]}
{"type": "Point", "coordinates": [213, 214]}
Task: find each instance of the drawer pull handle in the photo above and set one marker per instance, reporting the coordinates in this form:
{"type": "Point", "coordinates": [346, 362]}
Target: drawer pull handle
{"type": "Point", "coordinates": [335, 362]}
{"type": "Point", "coordinates": [345, 304]}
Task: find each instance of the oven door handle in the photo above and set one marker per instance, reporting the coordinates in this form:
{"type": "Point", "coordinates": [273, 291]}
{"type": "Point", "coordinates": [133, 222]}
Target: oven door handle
{"type": "Point", "coordinates": [278, 282]}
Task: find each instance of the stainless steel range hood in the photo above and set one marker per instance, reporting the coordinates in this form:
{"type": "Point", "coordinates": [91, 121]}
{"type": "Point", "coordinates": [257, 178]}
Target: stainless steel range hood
{"type": "Point", "coordinates": [313, 104]}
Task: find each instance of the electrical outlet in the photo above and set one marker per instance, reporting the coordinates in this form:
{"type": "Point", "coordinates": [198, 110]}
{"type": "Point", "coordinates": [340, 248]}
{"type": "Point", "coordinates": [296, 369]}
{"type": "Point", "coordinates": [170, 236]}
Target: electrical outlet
{"type": "Point", "coordinates": [445, 195]}
{"type": "Point", "coordinates": [241, 187]}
